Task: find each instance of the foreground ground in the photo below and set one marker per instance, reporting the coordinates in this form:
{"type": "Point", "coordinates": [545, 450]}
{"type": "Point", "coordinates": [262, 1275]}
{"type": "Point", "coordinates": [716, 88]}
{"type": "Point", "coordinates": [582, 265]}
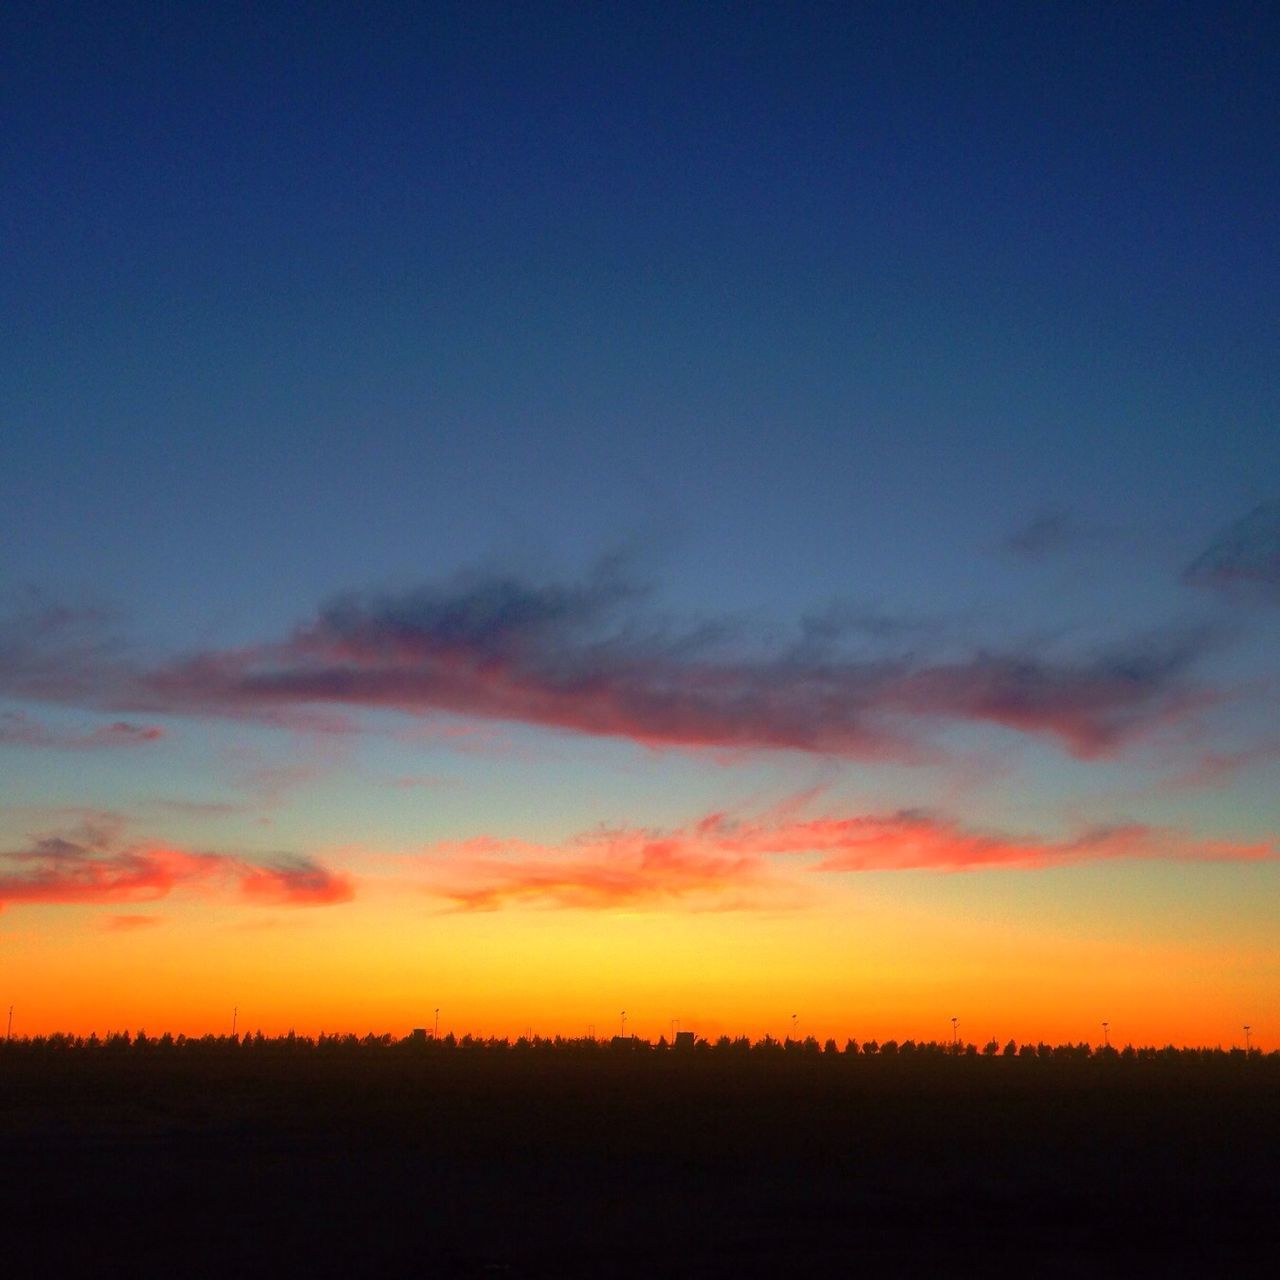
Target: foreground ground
{"type": "Point", "coordinates": [524, 1165]}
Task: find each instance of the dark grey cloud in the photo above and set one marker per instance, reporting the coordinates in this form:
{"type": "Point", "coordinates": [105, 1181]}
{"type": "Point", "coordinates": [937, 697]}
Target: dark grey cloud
{"type": "Point", "coordinates": [1244, 556]}
{"type": "Point", "coordinates": [592, 657]}
{"type": "Point", "coordinates": [1045, 534]}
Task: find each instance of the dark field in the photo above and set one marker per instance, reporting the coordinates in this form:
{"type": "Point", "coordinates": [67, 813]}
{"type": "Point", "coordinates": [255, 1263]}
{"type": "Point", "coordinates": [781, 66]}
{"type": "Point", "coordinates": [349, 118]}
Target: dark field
{"type": "Point", "coordinates": [406, 1162]}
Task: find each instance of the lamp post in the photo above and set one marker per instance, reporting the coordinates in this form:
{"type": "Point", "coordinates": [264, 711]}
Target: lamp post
{"type": "Point", "coordinates": [1106, 1038]}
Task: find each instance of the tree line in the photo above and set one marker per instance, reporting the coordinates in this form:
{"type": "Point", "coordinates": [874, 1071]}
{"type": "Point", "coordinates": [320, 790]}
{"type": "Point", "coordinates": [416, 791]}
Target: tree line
{"type": "Point", "coordinates": [766, 1047]}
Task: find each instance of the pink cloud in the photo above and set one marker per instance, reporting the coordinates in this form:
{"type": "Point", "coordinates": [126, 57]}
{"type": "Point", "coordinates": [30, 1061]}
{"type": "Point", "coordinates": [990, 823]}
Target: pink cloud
{"type": "Point", "coordinates": [628, 870]}
{"type": "Point", "coordinates": [297, 883]}
{"type": "Point", "coordinates": [57, 870]}
{"type": "Point", "coordinates": [129, 923]}
{"type": "Point", "coordinates": [719, 855]}
{"type": "Point", "coordinates": [587, 658]}
{"type": "Point", "coordinates": [18, 729]}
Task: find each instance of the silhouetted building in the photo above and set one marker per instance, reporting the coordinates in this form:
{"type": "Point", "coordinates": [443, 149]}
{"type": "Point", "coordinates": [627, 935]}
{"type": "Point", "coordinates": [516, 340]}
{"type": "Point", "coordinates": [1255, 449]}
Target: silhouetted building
{"type": "Point", "coordinates": [684, 1040]}
{"type": "Point", "coordinates": [418, 1035]}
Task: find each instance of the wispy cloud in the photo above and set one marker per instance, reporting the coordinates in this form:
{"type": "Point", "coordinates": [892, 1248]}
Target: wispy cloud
{"type": "Point", "coordinates": [589, 658]}
{"type": "Point", "coordinates": [53, 869]}
{"type": "Point", "coordinates": [297, 882]}
{"type": "Point", "coordinates": [731, 860]}
{"type": "Point", "coordinates": [1044, 534]}
{"type": "Point", "coordinates": [130, 923]}
{"type": "Point", "coordinates": [1245, 555]}
{"type": "Point", "coordinates": [1216, 768]}
{"type": "Point", "coordinates": [620, 870]}
{"type": "Point", "coordinates": [19, 729]}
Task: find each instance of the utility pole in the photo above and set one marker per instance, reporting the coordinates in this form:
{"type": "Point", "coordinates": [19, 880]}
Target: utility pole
{"type": "Point", "coordinates": [624, 1024]}
{"type": "Point", "coordinates": [1247, 1029]}
{"type": "Point", "coordinates": [235, 1014]}
{"type": "Point", "coordinates": [435, 1027]}
{"type": "Point", "coordinates": [955, 1042]}
{"type": "Point", "coordinates": [1106, 1038]}
{"type": "Point", "coordinates": [8, 1032]}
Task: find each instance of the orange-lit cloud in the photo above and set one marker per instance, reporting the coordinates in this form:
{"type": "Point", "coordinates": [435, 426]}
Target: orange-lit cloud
{"type": "Point", "coordinates": [299, 882]}
{"type": "Point", "coordinates": [54, 869]}
{"type": "Point", "coordinates": [129, 923]}
{"type": "Point", "coordinates": [726, 859]}
{"type": "Point", "coordinates": [623, 870]}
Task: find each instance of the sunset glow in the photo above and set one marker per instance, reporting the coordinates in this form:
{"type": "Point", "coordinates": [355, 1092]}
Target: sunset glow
{"type": "Point", "coordinates": [772, 526]}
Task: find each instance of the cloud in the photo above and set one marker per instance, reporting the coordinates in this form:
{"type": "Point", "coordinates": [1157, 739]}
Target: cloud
{"type": "Point", "coordinates": [1245, 555]}
{"type": "Point", "coordinates": [18, 729]}
{"type": "Point", "coordinates": [129, 923]}
{"type": "Point", "coordinates": [620, 870]}
{"type": "Point", "coordinates": [1217, 768]}
{"type": "Point", "coordinates": [589, 658]}
{"type": "Point", "coordinates": [1044, 534]}
{"type": "Point", "coordinates": [297, 882]}
{"type": "Point", "coordinates": [724, 859]}
{"type": "Point", "coordinates": [55, 869]}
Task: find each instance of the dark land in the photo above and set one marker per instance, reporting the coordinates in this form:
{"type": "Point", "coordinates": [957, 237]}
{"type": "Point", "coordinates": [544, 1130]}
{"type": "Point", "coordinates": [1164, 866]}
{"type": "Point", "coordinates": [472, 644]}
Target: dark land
{"type": "Point", "coordinates": [360, 1158]}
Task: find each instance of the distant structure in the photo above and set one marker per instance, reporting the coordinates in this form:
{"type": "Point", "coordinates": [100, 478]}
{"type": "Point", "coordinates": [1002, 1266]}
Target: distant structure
{"type": "Point", "coordinates": [683, 1040]}
{"type": "Point", "coordinates": [418, 1035]}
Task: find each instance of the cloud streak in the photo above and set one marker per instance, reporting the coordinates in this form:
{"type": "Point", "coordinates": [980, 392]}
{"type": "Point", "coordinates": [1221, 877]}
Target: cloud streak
{"type": "Point", "coordinates": [589, 658]}
{"type": "Point", "coordinates": [18, 729]}
{"type": "Point", "coordinates": [297, 882]}
{"type": "Point", "coordinates": [733, 861]}
{"type": "Point", "coordinates": [1245, 555]}
{"type": "Point", "coordinates": [53, 869]}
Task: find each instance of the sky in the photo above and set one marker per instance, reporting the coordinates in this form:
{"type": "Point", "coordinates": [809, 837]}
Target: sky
{"type": "Point", "coordinates": [762, 517]}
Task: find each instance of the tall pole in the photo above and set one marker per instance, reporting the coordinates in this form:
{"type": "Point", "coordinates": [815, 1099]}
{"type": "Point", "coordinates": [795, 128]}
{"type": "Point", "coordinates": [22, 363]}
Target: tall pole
{"type": "Point", "coordinates": [624, 1024]}
{"type": "Point", "coordinates": [8, 1031]}
{"type": "Point", "coordinates": [1247, 1029]}
{"type": "Point", "coordinates": [435, 1027]}
{"type": "Point", "coordinates": [235, 1014]}
{"type": "Point", "coordinates": [954, 1041]}
{"type": "Point", "coordinates": [1106, 1038]}
{"type": "Point", "coordinates": [794, 1033]}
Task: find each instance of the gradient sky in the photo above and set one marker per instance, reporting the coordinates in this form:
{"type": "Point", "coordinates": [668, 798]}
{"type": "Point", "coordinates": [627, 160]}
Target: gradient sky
{"type": "Point", "coordinates": [721, 511]}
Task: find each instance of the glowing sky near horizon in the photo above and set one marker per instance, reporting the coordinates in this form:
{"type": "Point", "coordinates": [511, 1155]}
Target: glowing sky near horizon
{"type": "Point", "coordinates": [709, 511]}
